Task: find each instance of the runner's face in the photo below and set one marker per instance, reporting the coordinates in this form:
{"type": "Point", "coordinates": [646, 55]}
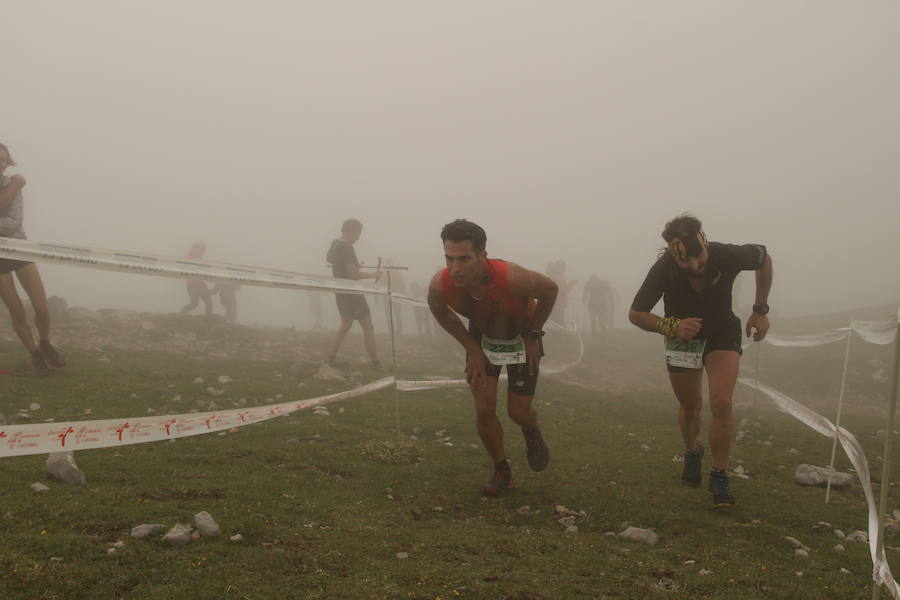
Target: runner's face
{"type": "Point", "coordinates": [694, 266]}
{"type": "Point", "coordinates": [463, 263]}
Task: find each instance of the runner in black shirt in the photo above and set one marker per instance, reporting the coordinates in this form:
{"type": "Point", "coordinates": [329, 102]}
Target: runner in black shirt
{"type": "Point", "coordinates": [694, 278]}
{"type": "Point", "coordinates": [352, 307]}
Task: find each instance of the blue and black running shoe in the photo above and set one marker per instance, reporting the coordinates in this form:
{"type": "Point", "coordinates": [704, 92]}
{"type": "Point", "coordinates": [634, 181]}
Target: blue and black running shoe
{"type": "Point", "coordinates": [718, 487]}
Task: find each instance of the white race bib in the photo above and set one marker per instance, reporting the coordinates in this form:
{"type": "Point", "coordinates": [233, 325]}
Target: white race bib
{"type": "Point", "coordinates": [504, 352]}
{"type": "Point", "coordinates": [687, 354]}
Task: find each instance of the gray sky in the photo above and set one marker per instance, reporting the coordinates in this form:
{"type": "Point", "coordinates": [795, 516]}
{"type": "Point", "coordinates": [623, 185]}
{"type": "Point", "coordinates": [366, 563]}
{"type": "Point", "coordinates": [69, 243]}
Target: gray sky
{"type": "Point", "coordinates": [569, 130]}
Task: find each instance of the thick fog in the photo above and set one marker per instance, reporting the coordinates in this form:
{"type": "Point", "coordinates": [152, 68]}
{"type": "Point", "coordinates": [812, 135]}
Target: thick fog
{"type": "Point", "coordinates": [569, 130]}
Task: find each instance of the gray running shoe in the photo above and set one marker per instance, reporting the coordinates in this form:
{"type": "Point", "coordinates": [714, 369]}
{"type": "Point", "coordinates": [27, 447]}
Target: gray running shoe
{"type": "Point", "coordinates": [691, 474]}
{"type": "Point", "coordinates": [538, 452]}
{"type": "Point", "coordinates": [720, 490]}
{"type": "Point", "coordinates": [52, 356]}
{"type": "Point", "coordinates": [499, 483]}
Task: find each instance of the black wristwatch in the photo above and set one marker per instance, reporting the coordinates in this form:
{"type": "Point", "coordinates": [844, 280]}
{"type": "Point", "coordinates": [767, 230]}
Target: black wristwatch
{"type": "Point", "coordinates": [761, 309]}
{"type": "Point", "coordinates": [535, 334]}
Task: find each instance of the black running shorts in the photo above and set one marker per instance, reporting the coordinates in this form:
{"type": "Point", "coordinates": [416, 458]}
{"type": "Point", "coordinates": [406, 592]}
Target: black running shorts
{"type": "Point", "coordinates": [519, 382]}
{"type": "Point", "coordinates": [352, 306]}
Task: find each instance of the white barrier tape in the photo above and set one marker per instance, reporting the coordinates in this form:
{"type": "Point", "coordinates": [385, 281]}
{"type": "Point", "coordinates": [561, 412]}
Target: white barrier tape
{"type": "Point", "coordinates": [876, 332]}
{"type": "Point", "coordinates": [180, 268]}
{"type": "Point", "coordinates": [405, 385]}
{"type": "Point", "coordinates": [814, 339]}
{"type": "Point", "coordinates": [43, 438]}
{"type": "Point", "coordinates": [880, 333]}
{"type": "Point", "coordinates": [881, 572]}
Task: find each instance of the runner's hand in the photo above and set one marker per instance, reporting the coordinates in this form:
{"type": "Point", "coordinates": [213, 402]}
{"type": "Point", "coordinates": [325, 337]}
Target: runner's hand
{"type": "Point", "coordinates": [18, 180]}
{"type": "Point", "coordinates": [761, 324]}
{"type": "Point", "coordinates": [532, 355]}
{"type": "Point", "coordinates": [476, 362]}
{"type": "Point", "coordinates": [689, 328]}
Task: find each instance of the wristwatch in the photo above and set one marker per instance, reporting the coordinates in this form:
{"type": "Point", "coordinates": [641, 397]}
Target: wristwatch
{"type": "Point", "coordinates": [761, 309]}
{"type": "Point", "coordinates": [535, 334]}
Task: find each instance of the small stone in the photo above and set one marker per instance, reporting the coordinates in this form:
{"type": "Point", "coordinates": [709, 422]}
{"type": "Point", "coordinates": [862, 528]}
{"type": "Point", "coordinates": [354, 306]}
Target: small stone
{"type": "Point", "coordinates": [206, 525]}
{"type": "Point", "coordinates": [839, 548]}
{"type": "Point", "coordinates": [572, 529]}
{"type": "Point", "coordinates": [237, 538]}
{"type": "Point", "coordinates": [110, 550]}
{"type": "Point", "coordinates": [214, 391]}
{"type": "Point", "coordinates": [523, 510]}
{"type": "Point", "coordinates": [56, 559]}
{"type": "Point", "coordinates": [795, 543]}
{"type": "Point", "coordinates": [178, 535]}
{"type": "Point", "coordinates": [636, 534]}
{"type": "Point", "coordinates": [151, 411]}
{"type": "Point", "coordinates": [690, 562]}
{"type": "Point", "coordinates": [143, 531]}
{"type": "Point", "coordinates": [200, 381]}
{"type": "Point", "coordinates": [223, 379]}
{"type": "Point", "coordinates": [704, 572]}
{"type": "Point", "coordinates": [34, 406]}
{"type": "Point", "coordinates": [844, 571]}
{"type": "Point", "coordinates": [39, 487]}
{"type": "Point", "coordinates": [857, 536]}
{"type": "Point", "coordinates": [120, 544]}
{"type": "Point", "coordinates": [839, 533]}
{"type": "Point", "coordinates": [402, 555]}
{"type": "Point", "coordinates": [62, 466]}
{"type": "Point", "coordinates": [793, 451]}
{"type": "Point", "coordinates": [611, 534]}
{"type": "Point", "coordinates": [801, 553]}
{"type": "Point", "coordinates": [812, 475]}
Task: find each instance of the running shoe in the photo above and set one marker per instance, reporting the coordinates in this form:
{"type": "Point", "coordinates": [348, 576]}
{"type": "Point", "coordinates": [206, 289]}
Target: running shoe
{"type": "Point", "coordinates": [536, 448]}
{"type": "Point", "coordinates": [499, 483]}
{"type": "Point", "coordinates": [718, 487]}
{"type": "Point", "coordinates": [52, 356]}
{"type": "Point", "coordinates": [691, 474]}
{"type": "Point", "coordinates": [39, 365]}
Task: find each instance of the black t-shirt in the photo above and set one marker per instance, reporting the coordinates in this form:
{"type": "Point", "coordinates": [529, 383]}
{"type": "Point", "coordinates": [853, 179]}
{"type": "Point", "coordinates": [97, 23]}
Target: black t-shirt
{"type": "Point", "coordinates": [340, 254]}
{"type": "Point", "coordinates": [713, 302]}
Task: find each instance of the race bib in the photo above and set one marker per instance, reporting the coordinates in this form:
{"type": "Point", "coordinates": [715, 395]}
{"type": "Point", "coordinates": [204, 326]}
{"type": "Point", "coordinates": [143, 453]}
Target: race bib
{"type": "Point", "coordinates": [504, 352]}
{"type": "Point", "coordinates": [687, 354]}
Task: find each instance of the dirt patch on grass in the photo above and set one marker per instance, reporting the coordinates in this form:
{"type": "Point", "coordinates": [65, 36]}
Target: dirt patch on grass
{"type": "Point", "coordinates": [182, 494]}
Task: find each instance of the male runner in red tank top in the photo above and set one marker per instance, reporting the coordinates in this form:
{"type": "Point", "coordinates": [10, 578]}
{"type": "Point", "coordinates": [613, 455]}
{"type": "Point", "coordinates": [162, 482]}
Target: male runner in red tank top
{"type": "Point", "coordinates": [507, 306]}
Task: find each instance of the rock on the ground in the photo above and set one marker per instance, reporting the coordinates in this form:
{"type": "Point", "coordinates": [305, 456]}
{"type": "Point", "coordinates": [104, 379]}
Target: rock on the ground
{"type": "Point", "coordinates": [839, 548]}
{"type": "Point", "coordinates": [795, 543]}
{"type": "Point", "coordinates": [146, 530]}
{"type": "Point", "coordinates": [178, 535]}
{"type": "Point", "coordinates": [62, 466]}
{"type": "Point", "coordinates": [812, 475]}
{"type": "Point", "coordinates": [237, 538]}
{"type": "Point", "coordinates": [801, 553]}
{"type": "Point", "coordinates": [206, 525]}
{"type": "Point", "coordinates": [39, 487]}
{"type": "Point", "coordinates": [857, 536]}
{"type": "Point", "coordinates": [636, 534]}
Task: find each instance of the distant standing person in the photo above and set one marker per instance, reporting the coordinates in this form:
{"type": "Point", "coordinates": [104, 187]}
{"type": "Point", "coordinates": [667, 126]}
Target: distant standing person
{"type": "Point", "coordinates": [352, 307]}
{"type": "Point", "coordinates": [196, 288]}
{"type": "Point", "coordinates": [423, 316]}
{"type": "Point", "coordinates": [694, 278]}
{"type": "Point", "coordinates": [227, 291]}
{"type": "Point", "coordinates": [315, 307]}
{"type": "Point", "coordinates": [44, 355]}
{"type": "Point", "coordinates": [599, 299]}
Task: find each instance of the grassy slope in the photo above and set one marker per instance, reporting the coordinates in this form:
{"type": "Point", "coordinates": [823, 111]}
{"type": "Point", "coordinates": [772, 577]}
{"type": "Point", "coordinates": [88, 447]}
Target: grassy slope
{"type": "Point", "coordinates": [318, 522]}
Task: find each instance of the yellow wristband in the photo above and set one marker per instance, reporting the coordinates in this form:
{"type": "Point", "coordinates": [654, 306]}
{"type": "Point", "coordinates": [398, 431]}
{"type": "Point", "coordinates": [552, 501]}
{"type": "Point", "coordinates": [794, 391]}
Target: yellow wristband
{"type": "Point", "coordinates": [668, 326]}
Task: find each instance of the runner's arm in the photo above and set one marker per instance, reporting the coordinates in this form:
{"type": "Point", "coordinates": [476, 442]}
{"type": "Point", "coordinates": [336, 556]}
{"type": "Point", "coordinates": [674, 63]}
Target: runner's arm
{"type": "Point", "coordinates": [9, 192]}
{"type": "Point", "coordinates": [531, 284]}
{"type": "Point", "coordinates": [448, 319]}
{"type": "Point", "coordinates": [764, 278]}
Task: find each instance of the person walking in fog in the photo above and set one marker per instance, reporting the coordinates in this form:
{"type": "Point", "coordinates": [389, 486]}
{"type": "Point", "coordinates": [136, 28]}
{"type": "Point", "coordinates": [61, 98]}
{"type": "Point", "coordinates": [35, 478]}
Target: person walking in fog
{"type": "Point", "coordinates": [44, 355]}
{"type": "Point", "coordinates": [352, 307]}
{"type": "Point", "coordinates": [196, 288]}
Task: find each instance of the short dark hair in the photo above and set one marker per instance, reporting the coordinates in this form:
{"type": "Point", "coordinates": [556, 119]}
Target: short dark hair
{"type": "Point", "coordinates": [12, 163]}
{"type": "Point", "coordinates": [682, 226]}
{"type": "Point", "coordinates": [351, 225]}
{"type": "Point", "coordinates": [461, 230]}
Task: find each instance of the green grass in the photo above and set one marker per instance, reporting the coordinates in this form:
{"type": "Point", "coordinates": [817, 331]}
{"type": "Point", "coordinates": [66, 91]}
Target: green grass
{"type": "Point", "coordinates": [325, 504]}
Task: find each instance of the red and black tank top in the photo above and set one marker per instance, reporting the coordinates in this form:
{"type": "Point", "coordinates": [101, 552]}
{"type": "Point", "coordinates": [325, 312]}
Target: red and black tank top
{"type": "Point", "coordinates": [497, 312]}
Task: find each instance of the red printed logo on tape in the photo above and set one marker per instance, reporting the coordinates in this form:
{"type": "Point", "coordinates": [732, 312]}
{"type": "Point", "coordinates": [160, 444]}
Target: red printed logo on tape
{"type": "Point", "coordinates": [168, 425]}
{"type": "Point", "coordinates": [62, 436]}
{"type": "Point", "coordinates": [121, 429]}
{"type": "Point", "coordinates": [207, 420]}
